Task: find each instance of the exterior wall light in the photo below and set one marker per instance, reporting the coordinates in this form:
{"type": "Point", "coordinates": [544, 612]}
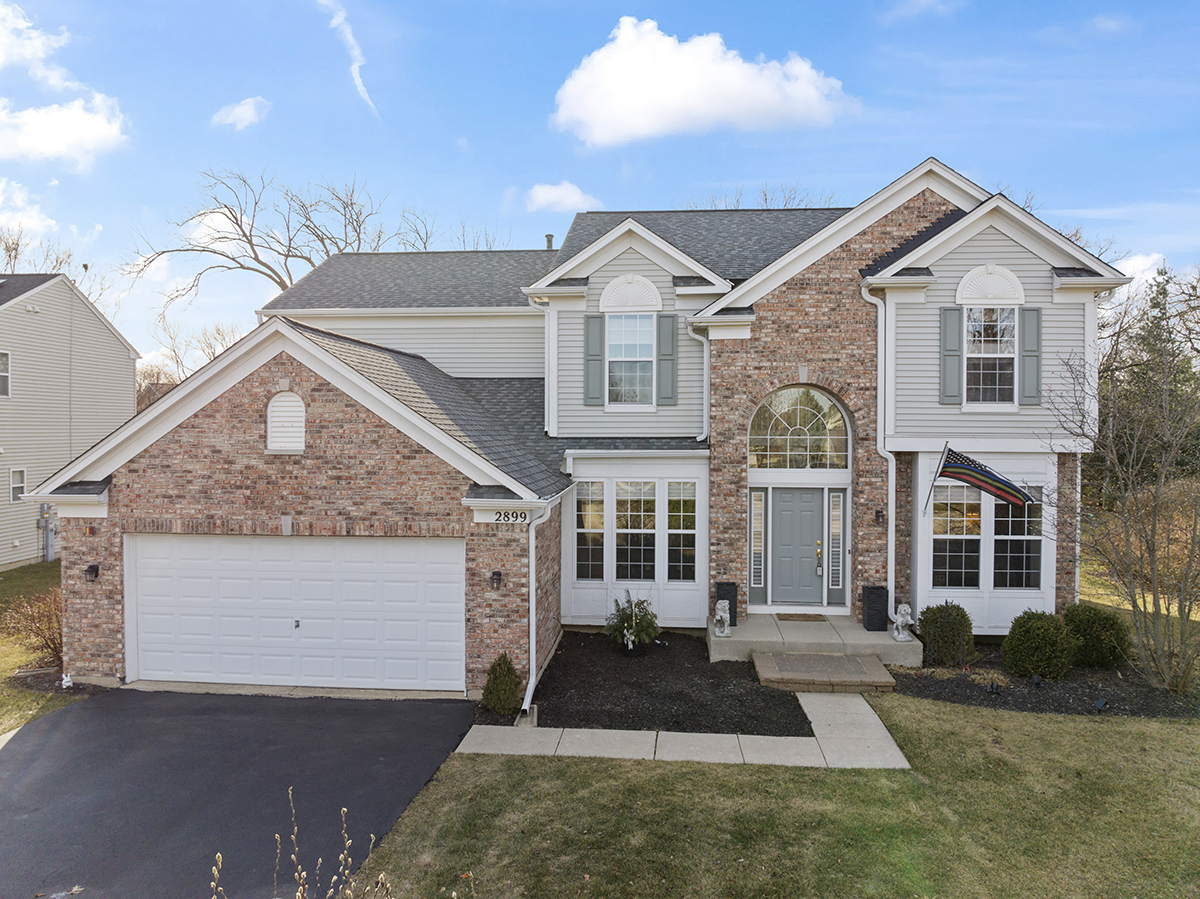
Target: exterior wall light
{"type": "Point", "coordinates": [91, 572]}
{"type": "Point", "coordinates": [497, 579]}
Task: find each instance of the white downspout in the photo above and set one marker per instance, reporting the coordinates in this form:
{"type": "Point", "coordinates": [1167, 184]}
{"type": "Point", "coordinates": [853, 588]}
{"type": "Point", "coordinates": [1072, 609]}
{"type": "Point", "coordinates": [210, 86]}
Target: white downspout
{"type": "Point", "coordinates": [704, 340]}
{"type": "Point", "coordinates": [880, 419]}
{"type": "Point", "coordinates": [533, 606]}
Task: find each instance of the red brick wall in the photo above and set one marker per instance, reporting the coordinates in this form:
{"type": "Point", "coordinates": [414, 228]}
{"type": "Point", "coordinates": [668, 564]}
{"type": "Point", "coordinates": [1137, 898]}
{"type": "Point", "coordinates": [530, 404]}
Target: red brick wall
{"type": "Point", "coordinates": [818, 319]}
{"type": "Point", "coordinates": [549, 586]}
{"type": "Point", "coordinates": [358, 476]}
{"type": "Point", "coordinates": [1066, 552]}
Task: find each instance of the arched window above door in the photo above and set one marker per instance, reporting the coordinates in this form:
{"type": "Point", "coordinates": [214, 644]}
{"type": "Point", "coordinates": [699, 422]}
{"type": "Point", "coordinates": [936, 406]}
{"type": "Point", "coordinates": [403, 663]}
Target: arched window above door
{"type": "Point", "coordinates": [799, 427]}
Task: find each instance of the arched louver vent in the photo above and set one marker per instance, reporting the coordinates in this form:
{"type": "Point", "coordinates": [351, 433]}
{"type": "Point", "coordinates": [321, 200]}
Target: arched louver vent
{"type": "Point", "coordinates": [285, 423]}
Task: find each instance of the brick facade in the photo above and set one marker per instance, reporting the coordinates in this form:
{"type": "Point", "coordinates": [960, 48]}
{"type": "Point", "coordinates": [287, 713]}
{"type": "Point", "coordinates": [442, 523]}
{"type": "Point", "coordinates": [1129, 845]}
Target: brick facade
{"type": "Point", "coordinates": [358, 476]}
{"type": "Point", "coordinates": [817, 319]}
{"type": "Point", "coordinates": [549, 586]}
{"type": "Point", "coordinates": [905, 481]}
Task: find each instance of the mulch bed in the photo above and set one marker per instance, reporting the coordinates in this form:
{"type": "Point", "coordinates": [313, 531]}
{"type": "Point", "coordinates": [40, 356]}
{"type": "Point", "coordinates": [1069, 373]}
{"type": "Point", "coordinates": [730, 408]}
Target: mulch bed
{"type": "Point", "coordinates": [50, 683]}
{"type": "Point", "coordinates": [673, 686]}
{"type": "Point", "coordinates": [1125, 692]}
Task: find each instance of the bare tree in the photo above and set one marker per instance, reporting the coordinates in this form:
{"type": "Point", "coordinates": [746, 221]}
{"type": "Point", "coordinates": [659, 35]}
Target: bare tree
{"type": "Point", "coordinates": [1100, 247]}
{"type": "Point", "coordinates": [1140, 409]}
{"type": "Point", "coordinates": [21, 252]}
{"type": "Point", "coordinates": [186, 350]}
{"type": "Point", "coordinates": [153, 380]}
{"type": "Point", "coordinates": [253, 224]}
{"type": "Point", "coordinates": [783, 195]}
{"type": "Point", "coordinates": [480, 237]}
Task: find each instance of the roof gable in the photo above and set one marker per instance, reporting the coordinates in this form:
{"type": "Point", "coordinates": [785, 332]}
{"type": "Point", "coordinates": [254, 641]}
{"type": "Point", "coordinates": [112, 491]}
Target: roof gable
{"type": "Point", "coordinates": [25, 288]}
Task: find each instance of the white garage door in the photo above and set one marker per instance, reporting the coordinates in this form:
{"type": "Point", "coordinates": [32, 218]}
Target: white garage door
{"type": "Point", "coordinates": [304, 611]}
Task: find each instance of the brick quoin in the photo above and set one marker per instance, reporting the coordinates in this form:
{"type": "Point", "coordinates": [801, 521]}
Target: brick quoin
{"type": "Point", "coordinates": [358, 477]}
{"type": "Point", "coordinates": [818, 319]}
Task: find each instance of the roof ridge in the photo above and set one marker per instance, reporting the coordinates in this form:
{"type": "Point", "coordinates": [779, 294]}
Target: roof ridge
{"type": "Point", "coordinates": [435, 252]}
{"type": "Point", "coordinates": [739, 209]}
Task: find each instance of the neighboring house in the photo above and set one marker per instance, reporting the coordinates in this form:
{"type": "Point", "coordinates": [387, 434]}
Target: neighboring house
{"type": "Point", "coordinates": [421, 460]}
{"type": "Point", "coordinates": [66, 380]}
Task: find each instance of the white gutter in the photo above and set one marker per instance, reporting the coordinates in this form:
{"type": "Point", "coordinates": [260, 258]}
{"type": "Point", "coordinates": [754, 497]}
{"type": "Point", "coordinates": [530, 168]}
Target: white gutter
{"type": "Point", "coordinates": [704, 340]}
{"type": "Point", "coordinates": [533, 604]}
{"type": "Point", "coordinates": [880, 414]}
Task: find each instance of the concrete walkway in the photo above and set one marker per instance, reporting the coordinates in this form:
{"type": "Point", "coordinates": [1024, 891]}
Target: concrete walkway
{"type": "Point", "coordinates": [847, 734]}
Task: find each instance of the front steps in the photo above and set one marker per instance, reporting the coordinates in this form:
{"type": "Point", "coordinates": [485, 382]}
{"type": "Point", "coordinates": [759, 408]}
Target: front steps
{"type": "Point", "coordinates": [838, 635]}
{"type": "Point", "coordinates": [822, 672]}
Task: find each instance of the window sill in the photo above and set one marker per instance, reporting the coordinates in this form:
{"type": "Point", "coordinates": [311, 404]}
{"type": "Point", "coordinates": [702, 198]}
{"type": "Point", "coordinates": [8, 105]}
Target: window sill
{"type": "Point", "coordinates": [629, 407]}
{"type": "Point", "coordinates": [278, 452]}
{"type": "Point", "coordinates": [995, 408]}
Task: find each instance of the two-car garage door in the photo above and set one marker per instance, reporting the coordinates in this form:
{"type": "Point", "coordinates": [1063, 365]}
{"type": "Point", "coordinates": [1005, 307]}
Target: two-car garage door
{"type": "Point", "coordinates": [296, 611]}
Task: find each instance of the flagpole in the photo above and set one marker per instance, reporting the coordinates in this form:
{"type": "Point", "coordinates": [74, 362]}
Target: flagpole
{"type": "Point", "coordinates": [936, 471]}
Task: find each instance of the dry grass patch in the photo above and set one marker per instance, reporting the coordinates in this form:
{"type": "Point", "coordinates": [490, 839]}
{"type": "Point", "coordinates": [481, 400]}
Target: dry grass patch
{"type": "Point", "coordinates": [998, 805]}
{"type": "Point", "coordinates": [19, 705]}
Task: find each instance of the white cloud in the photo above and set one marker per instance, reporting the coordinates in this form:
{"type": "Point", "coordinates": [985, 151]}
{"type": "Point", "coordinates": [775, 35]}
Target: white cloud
{"type": "Point", "coordinates": [561, 197]}
{"type": "Point", "coordinates": [644, 84]}
{"type": "Point", "coordinates": [241, 115]}
{"type": "Point", "coordinates": [23, 45]}
{"type": "Point", "coordinates": [1110, 24]}
{"type": "Point", "coordinates": [910, 9]}
{"type": "Point", "coordinates": [75, 131]}
{"type": "Point", "coordinates": [357, 60]}
{"type": "Point", "coordinates": [16, 211]}
{"type": "Point", "coordinates": [1142, 267]}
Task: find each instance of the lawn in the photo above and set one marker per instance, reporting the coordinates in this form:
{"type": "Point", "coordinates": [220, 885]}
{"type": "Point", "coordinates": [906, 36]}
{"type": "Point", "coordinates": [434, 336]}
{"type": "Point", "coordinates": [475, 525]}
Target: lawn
{"type": "Point", "coordinates": [1002, 804]}
{"type": "Point", "coordinates": [17, 704]}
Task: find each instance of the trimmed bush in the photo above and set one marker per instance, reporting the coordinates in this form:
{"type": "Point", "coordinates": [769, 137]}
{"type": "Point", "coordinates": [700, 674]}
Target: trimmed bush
{"type": "Point", "coordinates": [1103, 637]}
{"type": "Point", "coordinates": [1038, 643]}
{"type": "Point", "coordinates": [502, 692]}
{"type": "Point", "coordinates": [948, 635]}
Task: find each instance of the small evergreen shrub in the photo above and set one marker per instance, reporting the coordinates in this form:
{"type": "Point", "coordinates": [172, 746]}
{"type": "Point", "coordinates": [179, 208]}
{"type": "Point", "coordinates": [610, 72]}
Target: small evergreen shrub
{"type": "Point", "coordinates": [948, 635]}
{"type": "Point", "coordinates": [502, 692]}
{"type": "Point", "coordinates": [632, 622]}
{"type": "Point", "coordinates": [1038, 643]}
{"type": "Point", "coordinates": [1103, 637]}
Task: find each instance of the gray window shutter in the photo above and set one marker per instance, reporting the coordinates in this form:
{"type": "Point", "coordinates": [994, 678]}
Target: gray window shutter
{"type": "Point", "coordinates": [1030, 338]}
{"type": "Point", "coordinates": [668, 360]}
{"type": "Point", "coordinates": [593, 360]}
{"type": "Point", "coordinates": [952, 356]}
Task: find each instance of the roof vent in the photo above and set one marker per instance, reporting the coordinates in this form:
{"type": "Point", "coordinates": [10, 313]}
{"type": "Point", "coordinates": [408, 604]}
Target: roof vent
{"type": "Point", "coordinates": [549, 241]}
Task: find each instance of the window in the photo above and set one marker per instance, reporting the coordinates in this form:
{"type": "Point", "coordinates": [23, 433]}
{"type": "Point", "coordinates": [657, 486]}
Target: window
{"type": "Point", "coordinates": [589, 531]}
{"type": "Point", "coordinates": [991, 354]}
{"type": "Point", "coordinates": [681, 530]}
{"type": "Point", "coordinates": [631, 359]}
{"type": "Point", "coordinates": [16, 484]}
{"type": "Point", "coordinates": [285, 423]}
{"type": "Point", "coordinates": [798, 427]}
{"type": "Point", "coordinates": [758, 524]}
{"type": "Point", "coordinates": [1018, 546]}
{"type": "Point", "coordinates": [635, 530]}
{"type": "Point", "coordinates": [957, 525]}
{"type": "Point", "coordinates": [4, 374]}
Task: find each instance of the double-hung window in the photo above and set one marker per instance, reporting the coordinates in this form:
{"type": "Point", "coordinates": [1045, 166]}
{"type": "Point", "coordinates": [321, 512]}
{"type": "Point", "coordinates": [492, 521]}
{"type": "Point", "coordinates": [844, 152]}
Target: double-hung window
{"type": "Point", "coordinates": [635, 531]}
{"type": "Point", "coordinates": [589, 531]}
{"type": "Point", "coordinates": [4, 375]}
{"type": "Point", "coordinates": [631, 359]}
{"type": "Point", "coordinates": [991, 354]}
{"type": "Point", "coordinates": [16, 484]}
{"type": "Point", "coordinates": [957, 526]}
{"type": "Point", "coordinates": [681, 530]}
{"type": "Point", "coordinates": [1018, 544]}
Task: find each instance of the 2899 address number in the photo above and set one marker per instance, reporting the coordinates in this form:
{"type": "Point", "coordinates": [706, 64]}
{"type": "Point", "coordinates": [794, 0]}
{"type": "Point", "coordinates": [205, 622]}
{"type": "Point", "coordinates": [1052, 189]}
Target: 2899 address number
{"type": "Point", "coordinates": [512, 517]}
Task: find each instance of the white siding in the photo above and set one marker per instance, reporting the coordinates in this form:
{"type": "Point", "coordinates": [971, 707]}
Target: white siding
{"type": "Point", "coordinates": [72, 384]}
{"type": "Point", "coordinates": [476, 345]}
{"type": "Point", "coordinates": [577, 420]}
{"type": "Point", "coordinates": [918, 412]}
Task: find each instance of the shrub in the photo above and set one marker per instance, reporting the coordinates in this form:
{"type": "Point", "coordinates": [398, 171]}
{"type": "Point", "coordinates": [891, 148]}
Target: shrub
{"type": "Point", "coordinates": [1038, 643]}
{"type": "Point", "coordinates": [502, 692]}
{"type": "Point", "coordinates": [1103, 637]}
{"type": "Point", "coordinates": [948, 635]}
{"type": "Point", "coordinates": [632, 622]}
{"type": "Point", "coordinates": [36, 623]}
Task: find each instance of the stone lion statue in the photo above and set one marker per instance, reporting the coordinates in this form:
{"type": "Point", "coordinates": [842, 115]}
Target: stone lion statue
{"type": "Point", "coordinates": [721, 619]}
{"type": "Point", "coordinates": [903, 620]}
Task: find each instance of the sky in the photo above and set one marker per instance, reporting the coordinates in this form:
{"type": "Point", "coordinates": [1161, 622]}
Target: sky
{"type": "Point", "coordinates": [514, 115]}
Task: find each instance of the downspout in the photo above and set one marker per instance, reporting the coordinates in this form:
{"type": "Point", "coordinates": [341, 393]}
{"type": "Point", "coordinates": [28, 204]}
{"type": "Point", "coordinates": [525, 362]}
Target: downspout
{"type": "Point", "coordinates": [704, 340]}
{"type": "Point", "coordinates": [880, 418]}
{"type": "Point", "coordinates": [533, 605]}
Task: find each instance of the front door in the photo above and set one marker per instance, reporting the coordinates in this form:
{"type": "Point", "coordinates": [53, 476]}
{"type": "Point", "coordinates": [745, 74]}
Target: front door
{"type": "Point", "coordinates": [797, 557]}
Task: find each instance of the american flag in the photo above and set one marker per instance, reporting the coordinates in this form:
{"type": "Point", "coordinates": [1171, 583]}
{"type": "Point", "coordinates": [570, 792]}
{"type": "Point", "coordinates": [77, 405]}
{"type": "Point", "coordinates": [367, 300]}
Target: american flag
{"type": "Point", "coordinates": [963, 468]}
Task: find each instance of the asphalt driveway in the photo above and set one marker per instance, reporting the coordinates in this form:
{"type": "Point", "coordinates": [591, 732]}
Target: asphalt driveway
{"type": "Point", "coordinates": [131, 794]}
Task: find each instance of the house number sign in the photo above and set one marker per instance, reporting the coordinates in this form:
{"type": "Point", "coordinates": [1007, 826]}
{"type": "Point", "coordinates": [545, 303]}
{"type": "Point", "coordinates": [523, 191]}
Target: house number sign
{"type": "Point", "coordinates": [512, 517]}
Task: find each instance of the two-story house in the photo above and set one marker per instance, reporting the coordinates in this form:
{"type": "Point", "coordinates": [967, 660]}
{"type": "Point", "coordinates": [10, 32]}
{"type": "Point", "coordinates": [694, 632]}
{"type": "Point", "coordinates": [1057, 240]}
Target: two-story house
{"type": "Point", "coordinates": [66, 380]}
{"type": "Point", "coordinates": [420, 460]}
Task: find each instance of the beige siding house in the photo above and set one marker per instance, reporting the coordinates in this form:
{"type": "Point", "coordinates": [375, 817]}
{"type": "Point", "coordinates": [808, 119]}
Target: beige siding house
{"type": "Point", "coordinates": [66, 380]}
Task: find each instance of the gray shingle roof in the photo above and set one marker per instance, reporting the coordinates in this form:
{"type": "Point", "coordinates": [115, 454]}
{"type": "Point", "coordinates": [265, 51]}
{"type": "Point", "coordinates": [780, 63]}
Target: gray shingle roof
{"type": "Point", "coordinates": [13, 286]}
{"type": "Point", "coordinates": [914, 272]}
{"type": "Point", "coordinates": [83, 488]}
{"type": "Point", "coordinates": [734, 243]}
{"type": "Point", "coordinates": [439, 399]}
{"type": "Point", "coordinates": [484, 278]}
{"type": "Point", "coordinates": [1074, 272]}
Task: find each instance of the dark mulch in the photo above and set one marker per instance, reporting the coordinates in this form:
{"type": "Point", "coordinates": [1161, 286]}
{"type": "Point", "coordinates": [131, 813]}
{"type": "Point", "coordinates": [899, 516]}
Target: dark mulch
{"type": "Point", "coordinates": [50, 683]}
{"type": "Point", "coordinates": [673, 686]}
{"type": "Point", "coordinates": [1125, 692]}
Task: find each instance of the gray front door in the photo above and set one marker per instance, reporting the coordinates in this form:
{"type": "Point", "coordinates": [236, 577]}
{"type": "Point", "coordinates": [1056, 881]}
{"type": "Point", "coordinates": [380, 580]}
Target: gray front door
{"type": "Point", "coordinates": [796, 532]}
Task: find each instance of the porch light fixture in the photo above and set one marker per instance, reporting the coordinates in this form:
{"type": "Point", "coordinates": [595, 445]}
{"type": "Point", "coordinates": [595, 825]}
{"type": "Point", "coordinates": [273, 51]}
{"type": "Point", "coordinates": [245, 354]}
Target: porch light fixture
{"type": "Point", "coordinates": [497, 578]}
{"type": "Point", "coordinates": [91, 572]}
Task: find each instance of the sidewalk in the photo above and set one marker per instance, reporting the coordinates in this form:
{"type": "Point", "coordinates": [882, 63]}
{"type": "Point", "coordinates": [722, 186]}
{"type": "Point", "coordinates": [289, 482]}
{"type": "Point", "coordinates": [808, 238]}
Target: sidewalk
{"type": "Point", "coordinates": [847, 734]}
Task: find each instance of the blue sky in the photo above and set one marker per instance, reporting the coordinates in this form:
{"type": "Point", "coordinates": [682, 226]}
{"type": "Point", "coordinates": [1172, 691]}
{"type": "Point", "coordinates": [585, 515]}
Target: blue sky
{"type": "Point", "coordinates": [108, 112]}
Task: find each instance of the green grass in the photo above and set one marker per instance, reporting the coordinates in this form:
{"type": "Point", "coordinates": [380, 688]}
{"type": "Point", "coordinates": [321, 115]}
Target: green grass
{"type": "Point", "coordinates": [18, 705]}
{"type": "Point", "coordinates": [998, 804]}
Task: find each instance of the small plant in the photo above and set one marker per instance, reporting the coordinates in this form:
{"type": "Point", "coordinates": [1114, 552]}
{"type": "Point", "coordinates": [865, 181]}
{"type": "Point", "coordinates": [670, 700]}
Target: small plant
{"type": "Point", "coordinates": [948, 635]}
{"type": "Point", "coordinates": [1038, 643]}
{"type": "Point", "coordinates": [1103, 637]}
{"type": "Point", "coordinates": [37, 623]}
{"type": "Point", "coordinates": [632, 622]}
{"type": "Point", "coordinates": [502, 691]}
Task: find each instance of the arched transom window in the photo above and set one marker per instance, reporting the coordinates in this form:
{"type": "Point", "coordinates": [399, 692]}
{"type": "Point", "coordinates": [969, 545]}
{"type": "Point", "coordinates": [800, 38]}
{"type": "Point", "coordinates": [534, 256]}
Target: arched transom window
{"type": "Point", "coordinates": [798, 427]}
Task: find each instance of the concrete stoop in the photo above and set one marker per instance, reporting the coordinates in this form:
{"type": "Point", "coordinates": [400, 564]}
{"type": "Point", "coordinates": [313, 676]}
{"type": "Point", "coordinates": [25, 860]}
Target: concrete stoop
{"type": "Point", "coordinates": [838, 635]}
{"type": "Point", "coordinates": [822, 672]}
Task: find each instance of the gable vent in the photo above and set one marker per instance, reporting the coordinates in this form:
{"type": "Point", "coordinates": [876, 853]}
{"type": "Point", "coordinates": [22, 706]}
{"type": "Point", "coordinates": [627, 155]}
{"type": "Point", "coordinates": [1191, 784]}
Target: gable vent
{"type": "Point", "coordinates": [285, 423]}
